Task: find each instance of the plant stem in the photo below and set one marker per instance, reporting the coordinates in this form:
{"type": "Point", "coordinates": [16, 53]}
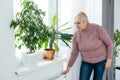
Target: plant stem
{"type": "Point", "coordinates": [52, 41]}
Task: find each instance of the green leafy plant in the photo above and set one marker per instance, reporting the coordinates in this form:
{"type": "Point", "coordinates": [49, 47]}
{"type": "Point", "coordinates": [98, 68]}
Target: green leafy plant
{"type": "Point", "coordinates": [116, 42]}
{"type": "Point", "coordinates": [29, 28]}
{"type": "Point", "coordinates": [56, 33]}
{"type": "Point", "coordinates": [116, 48]}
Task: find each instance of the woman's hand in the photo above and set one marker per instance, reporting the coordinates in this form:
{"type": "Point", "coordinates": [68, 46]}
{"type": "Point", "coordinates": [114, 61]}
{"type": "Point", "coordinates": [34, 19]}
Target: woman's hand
{"type": "Point", "coordinates": [66, 71]}
{"type": "Point", "coordinates": [108, 63]}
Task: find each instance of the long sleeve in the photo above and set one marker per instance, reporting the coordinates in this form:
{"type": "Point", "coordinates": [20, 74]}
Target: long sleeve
{"type": "Point", "coordinates": [74, 52]}
{"type": "Point", "coordinates": [107, 41]}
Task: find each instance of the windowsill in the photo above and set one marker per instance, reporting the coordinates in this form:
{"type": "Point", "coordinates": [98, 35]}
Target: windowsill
{"type": "Point", "coordinates": [40, 65]}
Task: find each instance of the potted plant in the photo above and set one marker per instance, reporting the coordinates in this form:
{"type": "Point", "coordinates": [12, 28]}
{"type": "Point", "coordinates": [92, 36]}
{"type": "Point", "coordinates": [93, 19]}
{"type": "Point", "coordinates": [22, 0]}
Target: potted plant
{"type": "Point", "coordinates": [55, 33]}
{"type": "Point", "coordinates": [29, 27]}
{"type": "Point", "coordinates": [116, 47]}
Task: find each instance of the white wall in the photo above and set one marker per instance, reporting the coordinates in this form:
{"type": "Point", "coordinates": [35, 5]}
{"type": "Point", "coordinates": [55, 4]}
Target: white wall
{"type": "Point", "coordinates": [7, 59]}
{"type": "Point", "coordinates": [117, 14]}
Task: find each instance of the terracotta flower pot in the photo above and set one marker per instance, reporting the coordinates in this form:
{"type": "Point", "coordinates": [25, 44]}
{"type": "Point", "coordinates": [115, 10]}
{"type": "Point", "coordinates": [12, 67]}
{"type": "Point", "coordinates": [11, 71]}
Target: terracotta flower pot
{"type": "Point", "coordinates": [49, 54]}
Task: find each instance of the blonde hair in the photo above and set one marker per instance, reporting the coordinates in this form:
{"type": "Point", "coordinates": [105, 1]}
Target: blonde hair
{"type": "Point", "coordinates": [81, 16]}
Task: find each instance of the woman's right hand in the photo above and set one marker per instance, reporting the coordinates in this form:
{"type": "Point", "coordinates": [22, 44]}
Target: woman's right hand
{"type": "Point", "coordinates": [66, 71]}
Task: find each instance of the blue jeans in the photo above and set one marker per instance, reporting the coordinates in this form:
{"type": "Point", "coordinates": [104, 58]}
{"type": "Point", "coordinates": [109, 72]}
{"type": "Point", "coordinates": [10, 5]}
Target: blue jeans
{"type": "Point", "coordinates": [87, 68]}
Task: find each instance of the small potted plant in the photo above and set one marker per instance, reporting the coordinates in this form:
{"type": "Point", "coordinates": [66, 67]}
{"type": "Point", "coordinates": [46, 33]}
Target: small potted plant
{"type": "Point", "coordinates": [29, 28]}
{"type": "Point", "coordinates": [55, 33]}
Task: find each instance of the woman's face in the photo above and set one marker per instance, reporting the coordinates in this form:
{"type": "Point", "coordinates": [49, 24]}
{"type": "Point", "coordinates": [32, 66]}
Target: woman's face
{"type": "Point", "coordinates": [81, 25]}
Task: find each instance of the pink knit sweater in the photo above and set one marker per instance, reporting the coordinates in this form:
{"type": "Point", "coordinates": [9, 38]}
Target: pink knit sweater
{"type": "Point", "coordinates": [93, 43]}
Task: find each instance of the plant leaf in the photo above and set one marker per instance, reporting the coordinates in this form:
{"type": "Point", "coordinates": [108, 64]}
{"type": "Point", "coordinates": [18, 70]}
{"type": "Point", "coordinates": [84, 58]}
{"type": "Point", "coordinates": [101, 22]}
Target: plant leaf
{"type": "Point", "coordinates": [66, 43]}
{"type": "Point", "coordinates": [63, 25]}
{"type": "Point", "coordinates": [56, 47]}
{"type": "Point", "coordinates": [46, 44]}
{"type": "Point", "coordinates": [54, 19]}
{"type": "Point", "coordinates": [66, 36]}
{"type": "Point", "coordinates": [65, 29]}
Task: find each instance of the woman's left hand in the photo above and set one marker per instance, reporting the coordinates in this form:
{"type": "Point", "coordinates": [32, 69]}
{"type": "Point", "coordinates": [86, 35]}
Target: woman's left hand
{"type": "Point", "coordinates": [108, 63]}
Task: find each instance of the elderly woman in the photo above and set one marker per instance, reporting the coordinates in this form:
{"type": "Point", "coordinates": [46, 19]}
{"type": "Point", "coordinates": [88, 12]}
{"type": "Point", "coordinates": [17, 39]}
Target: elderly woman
{"type": "Point", "coordinates": [95, 46]}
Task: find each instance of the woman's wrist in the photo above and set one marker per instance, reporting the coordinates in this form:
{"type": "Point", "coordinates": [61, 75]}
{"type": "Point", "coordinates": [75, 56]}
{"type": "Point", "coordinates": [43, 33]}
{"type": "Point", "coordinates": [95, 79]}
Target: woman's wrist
{"type": "Point", "coordinates": [108, 63]}
{"type": "Point", "coordinates": [109, 60]}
